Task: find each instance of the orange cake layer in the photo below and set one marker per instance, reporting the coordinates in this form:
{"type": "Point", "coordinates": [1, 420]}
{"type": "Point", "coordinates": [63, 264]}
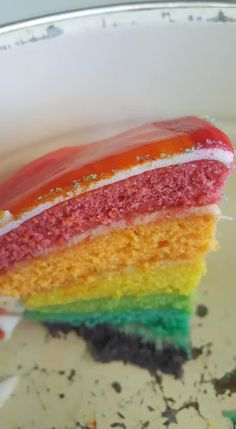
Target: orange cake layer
{"type": "Point", "coordinates": [148, 279]}
{"type": "Point", "coordinates": [177, 239]}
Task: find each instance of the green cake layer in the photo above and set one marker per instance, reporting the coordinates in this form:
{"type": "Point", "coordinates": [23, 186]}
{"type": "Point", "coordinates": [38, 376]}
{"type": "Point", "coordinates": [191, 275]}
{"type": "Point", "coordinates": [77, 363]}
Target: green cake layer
{"type": "Point", "coordinates": [162, 323]}
{"type": "Point", "coordinates": [158, 318]}
{"type": "Point", "coordinates": [151, 333]}
{"type": "Point", "coordinates": [125, 303]}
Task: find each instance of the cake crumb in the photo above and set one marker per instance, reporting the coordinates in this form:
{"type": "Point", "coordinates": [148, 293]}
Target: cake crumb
{"type": "Point", "coordinates": [201, 310]}
{"type": "Point", "coordinates": [116, 386]}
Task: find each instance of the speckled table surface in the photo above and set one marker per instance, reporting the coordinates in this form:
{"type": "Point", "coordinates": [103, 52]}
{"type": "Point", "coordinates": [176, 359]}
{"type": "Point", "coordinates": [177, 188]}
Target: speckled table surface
{"type": "Point", "coordinates": [60, 386]}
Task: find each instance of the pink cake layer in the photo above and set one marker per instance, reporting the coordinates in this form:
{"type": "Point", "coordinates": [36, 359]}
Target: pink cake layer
{"type": "Point", "coordinates": [107, 157]}
{"type": "Point", "coordinates": [192, 184]}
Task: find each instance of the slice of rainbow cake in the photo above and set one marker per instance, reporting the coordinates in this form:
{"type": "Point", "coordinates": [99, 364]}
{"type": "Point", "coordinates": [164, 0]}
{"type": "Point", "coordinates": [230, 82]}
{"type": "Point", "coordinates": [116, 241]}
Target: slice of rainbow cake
{"type": "Point", "coordinates": [110, 238]}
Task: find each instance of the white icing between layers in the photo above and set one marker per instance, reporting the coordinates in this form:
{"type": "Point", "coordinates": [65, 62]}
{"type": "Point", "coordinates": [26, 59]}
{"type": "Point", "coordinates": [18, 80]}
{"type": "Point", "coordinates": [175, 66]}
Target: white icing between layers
{"type": "Point", "coordinates": [15, 306]}
{"type": "Point", "coordinates": [13, 224]}
{"type": "Point", "coordinates": [139, 220]}
{"type": "Point", "coordinates": [8, 322]}
{"type": "Point", "coordinates": [11, 305]}
{"type": "Point", "coordinates": [7, 386]}
{"type": "Point", "coordinates": [223, 156]}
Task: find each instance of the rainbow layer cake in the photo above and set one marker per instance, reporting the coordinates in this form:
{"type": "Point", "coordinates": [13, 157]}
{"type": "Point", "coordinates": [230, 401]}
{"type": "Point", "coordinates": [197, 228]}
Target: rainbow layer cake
{"type": "Point", "coordinates": [110, 238]}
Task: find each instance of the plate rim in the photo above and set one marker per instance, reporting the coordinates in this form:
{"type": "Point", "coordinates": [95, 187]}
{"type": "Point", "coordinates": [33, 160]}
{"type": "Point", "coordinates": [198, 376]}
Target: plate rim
{"type": "Point", "coordinates": [123, 8]}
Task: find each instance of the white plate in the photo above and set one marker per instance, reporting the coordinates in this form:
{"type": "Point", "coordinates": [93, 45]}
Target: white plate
{"type": "Point", "coordinates": [79, 77]}
{"type": "Point", "coordinates": [74, 78]}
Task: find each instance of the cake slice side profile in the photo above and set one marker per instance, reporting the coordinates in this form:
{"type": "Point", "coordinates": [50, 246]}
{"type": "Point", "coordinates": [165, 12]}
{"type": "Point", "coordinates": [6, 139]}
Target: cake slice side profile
{"type": "Point", "coordinates": [110, 238]}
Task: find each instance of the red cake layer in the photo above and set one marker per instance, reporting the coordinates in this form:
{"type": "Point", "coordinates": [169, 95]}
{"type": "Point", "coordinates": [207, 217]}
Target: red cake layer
{"type": "Point", "coordinates": [59, 168]}
{"type": "Point", "coordinates": [187, 185]}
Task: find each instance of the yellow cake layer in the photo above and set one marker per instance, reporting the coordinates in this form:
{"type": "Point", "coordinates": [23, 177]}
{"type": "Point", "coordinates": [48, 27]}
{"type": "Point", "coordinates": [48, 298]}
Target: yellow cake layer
{"type": "Point", "coordinates": [176, 239]}
{"type": "Point", "coordinates": [148, 279]}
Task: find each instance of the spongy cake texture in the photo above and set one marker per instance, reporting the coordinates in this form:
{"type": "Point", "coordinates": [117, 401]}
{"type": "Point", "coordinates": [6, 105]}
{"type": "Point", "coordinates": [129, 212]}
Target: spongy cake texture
{"type": "Point", "coordinates": [110, 239]}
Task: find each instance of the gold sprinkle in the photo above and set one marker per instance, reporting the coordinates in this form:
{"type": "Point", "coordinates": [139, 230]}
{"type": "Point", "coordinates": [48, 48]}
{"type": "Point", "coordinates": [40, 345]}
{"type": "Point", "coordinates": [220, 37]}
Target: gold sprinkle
{"type": "Point", "coordinates": [188, 150]}
{"type": "Point", "coordinates": [90, 177]}
{"type": "Point", "coordinates": [142, 157]}
{"type": "Point", "coordinates": [75, 184]}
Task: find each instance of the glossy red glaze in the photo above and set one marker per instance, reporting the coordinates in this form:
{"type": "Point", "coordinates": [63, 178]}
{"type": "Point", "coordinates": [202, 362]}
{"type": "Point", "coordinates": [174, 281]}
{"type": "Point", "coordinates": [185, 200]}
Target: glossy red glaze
{"type": "Point", "coordinates": [58, 169]}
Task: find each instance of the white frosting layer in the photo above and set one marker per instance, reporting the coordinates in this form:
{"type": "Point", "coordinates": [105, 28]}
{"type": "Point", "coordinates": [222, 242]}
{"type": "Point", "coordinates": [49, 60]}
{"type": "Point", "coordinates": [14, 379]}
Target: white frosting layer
{"type": "Point", "coordinates": [11, 305]}
{"type": "Point", "coordinates": [220, 155]}
{"type": "Point", "coordinates": [8, 324]}
{"type": "Point", "coordinates": [16, 308]}
{"type": "Point", "coordinates": [141, 220]}
{"type": "Point", "coordinates": [7, 386]}
{"type": "Point", "coordinates": [10, 320]}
